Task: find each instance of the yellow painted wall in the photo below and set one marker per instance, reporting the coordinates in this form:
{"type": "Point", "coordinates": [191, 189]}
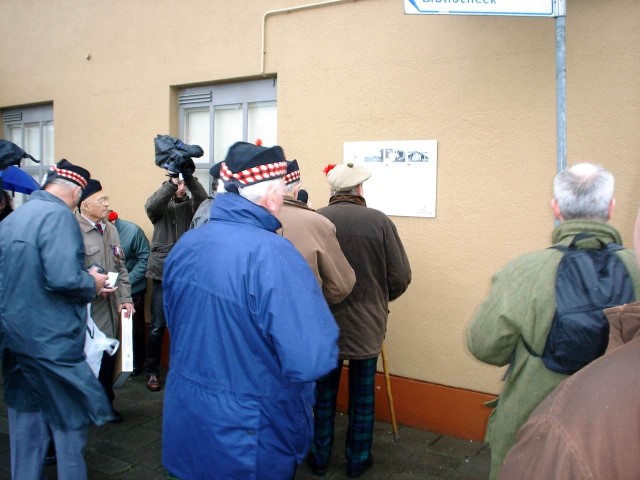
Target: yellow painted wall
{"type": "Point", "coordinates": [483, 87]}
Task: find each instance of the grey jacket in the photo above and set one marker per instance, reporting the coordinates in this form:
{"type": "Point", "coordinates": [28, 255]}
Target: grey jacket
{"type": "Point", "coordinates": [106, 250]}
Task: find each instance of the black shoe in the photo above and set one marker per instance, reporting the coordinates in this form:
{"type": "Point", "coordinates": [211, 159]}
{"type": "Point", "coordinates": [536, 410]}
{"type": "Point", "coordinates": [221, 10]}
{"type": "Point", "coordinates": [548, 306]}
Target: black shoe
{"type": "Point", "coordinates": [135, 372]}
{"type": "Point", "coordinates": [318, 471]}
{"type": "Point", "coordinates": [117, 417]}
{"type": "Point", "coordinates": [354, 471]}
{"type": "Point", "coordinates": [153, 383]}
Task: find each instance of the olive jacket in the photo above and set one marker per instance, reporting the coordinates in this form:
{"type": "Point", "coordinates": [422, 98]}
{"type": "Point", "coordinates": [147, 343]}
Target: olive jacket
{"type": "Point", "coordinates": [521, 306]}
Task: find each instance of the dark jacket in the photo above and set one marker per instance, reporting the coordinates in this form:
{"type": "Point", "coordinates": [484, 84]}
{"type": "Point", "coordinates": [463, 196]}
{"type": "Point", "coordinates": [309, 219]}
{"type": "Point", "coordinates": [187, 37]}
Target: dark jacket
{"type": "Point", "coordinates": [202, 213]}
{"type": "Point", "coordinates": [171, 218]}
{"type": "Point", "coordinates": [250, 332]}
{"type": "Point", "coordinates": [370, 241]}
{"type": "Point", "coordinates": [44, 291]}
{"type": "Point", "coordinates": [136, 252]}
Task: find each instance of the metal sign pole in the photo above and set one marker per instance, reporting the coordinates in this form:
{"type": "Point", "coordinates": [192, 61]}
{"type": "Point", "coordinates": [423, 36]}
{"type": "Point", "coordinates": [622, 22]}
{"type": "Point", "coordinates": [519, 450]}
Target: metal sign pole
{"type": "Point", "coordinates": [561, 88]}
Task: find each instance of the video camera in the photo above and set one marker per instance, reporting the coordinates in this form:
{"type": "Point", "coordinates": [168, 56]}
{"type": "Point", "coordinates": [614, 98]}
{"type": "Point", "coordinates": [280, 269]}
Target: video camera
{"type": "Point", "coordinates": [174, 155]}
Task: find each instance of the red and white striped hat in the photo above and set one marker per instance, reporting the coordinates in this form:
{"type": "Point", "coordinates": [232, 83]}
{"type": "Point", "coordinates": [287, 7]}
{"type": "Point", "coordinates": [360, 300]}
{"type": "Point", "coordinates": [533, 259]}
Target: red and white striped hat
{"type": "Point", "coordinates": [68, 171]}
{"type": "Point", "coordinates": [293, 172]}
{"type": "Point", "coordinates": [247, 164]}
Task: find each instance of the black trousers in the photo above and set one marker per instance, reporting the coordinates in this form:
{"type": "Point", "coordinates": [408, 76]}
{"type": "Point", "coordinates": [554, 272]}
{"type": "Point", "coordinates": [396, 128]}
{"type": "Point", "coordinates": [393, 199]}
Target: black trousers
{"type": "Point", "coordinates": [105, 376]}
{"type": "Point", "coordinates": [139, 341]}
{"type": "Point", "coordinates": [156, 329]}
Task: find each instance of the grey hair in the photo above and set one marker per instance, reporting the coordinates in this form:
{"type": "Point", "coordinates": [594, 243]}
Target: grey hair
{"type": "Point", "coordinates": [289, 188]}
{"type": "Point", "coordinates": [256, 192]}
{"type": "Point", "coordinates": [584, 191]}
{"type": "Point", "coordinates": [62, 181]}
{"type": "Point", "coordinates": [347, 191]}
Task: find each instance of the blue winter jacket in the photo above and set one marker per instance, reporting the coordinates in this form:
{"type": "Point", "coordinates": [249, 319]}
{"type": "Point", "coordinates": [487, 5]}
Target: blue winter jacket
{"type": "Point", "coordinates": [44, 291]}
{"type": "Point", "coordinates": [250, 333]}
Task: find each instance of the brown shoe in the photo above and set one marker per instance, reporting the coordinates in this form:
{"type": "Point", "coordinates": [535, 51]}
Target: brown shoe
{"type": "Point", "coordinates": [153, 383]}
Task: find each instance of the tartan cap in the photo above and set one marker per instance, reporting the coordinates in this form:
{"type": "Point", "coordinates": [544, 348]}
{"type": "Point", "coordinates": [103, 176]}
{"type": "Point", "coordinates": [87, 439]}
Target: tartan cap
{"type": "Point", "coordinates": [68, 171]}
{"type": "Point", "coordinates": [247, 164]}
{"type": "Point", "coordinates": [293, 172]}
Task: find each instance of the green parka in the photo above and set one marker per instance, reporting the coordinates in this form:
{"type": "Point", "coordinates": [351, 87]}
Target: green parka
{"type": "Point", "coordinates": [521, 305]}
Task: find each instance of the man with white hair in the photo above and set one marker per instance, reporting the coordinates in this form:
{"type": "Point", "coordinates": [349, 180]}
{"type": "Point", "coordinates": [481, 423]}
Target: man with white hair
{"type": "Point", "coordinates": [44, 291]}
{"type": "Point", "coordinates": [522, 322]}
{"type": "Point", "coordinates": [250, 333]}
{"type": "Point", "coordinates": [315, 238]}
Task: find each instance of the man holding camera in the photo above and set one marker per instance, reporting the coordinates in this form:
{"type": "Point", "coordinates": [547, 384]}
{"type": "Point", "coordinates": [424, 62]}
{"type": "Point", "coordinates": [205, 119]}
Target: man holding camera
{"type": "Point", "coordinates": [170, 209]}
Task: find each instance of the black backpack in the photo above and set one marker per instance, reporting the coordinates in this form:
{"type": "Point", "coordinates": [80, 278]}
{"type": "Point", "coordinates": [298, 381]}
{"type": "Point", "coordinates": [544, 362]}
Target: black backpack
{"type": "Point", "coordinates": [587, 282]}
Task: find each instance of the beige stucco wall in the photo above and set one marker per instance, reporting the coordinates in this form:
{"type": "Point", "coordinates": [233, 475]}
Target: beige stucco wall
{"type": "Point", "coordinates": [483, 87]}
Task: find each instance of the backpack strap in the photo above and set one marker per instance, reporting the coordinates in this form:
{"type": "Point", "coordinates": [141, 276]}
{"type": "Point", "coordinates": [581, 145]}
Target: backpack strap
{"type": "Point", "coordinates": [530, 349]}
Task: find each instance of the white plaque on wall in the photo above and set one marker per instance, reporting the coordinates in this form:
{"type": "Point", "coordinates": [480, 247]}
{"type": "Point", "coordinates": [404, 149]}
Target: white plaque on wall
{"type": "Point", "coordinates": [403, 180]}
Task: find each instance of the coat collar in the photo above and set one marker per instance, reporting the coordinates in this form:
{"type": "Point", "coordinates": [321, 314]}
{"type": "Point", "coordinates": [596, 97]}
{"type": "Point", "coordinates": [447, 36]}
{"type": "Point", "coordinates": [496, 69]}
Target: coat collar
{"type": "Point", "coordinates": [568, 229]}
{"type": "Point", "coordinates": [296, 203]}
{"type": "Point", "coordinates": [47, 197]}
{"type": "Point", "coordinates": [232, 207]}
{"type": "Point", "coordinates": [624, 322]}
{"type": "Point", "coordinates": [86, 225]}
{"type": "Point", "coordinates": [340, 198]}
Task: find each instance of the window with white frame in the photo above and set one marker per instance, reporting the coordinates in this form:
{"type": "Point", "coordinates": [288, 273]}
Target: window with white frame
{"type": "Point", "coordinates": [217, 116]}
{"type": "Point", "coordinates": [31, 128]}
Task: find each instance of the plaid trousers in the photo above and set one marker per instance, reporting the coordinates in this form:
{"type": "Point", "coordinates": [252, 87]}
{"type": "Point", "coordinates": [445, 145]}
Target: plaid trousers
{"type": "Point", "coordinates": [362, 374]}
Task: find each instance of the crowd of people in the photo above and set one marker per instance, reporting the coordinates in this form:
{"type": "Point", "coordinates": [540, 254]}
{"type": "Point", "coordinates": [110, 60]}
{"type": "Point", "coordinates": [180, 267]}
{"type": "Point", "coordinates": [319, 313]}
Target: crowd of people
{"type": "Point", "coordinates": [266, 298]}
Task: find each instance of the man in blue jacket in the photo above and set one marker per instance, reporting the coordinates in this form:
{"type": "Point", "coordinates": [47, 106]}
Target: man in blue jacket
{"type": "Point", "coordinates": [250, 333]}
{"type": "Point", "coordinates": [44, 291]}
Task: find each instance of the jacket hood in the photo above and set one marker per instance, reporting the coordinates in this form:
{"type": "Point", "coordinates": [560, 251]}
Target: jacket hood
{"type": "Point", "coordinates": [232, 207]}
{"type": "Point", "coordinates": [624, 324]}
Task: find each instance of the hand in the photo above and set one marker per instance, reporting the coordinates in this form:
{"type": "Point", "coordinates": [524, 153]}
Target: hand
{"type": "Point", "coordinates": [100, 279]}
{"type": "Point", "coordinates": [173, 179]}
{"type": "Point", "coordinates": [106, 291]}
{"type": "Point", "coordinates": [128, 307]}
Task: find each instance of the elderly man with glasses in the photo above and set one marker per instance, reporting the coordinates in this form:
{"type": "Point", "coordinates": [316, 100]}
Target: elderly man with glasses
{"type": "Point", "coordinates": [103, 248]}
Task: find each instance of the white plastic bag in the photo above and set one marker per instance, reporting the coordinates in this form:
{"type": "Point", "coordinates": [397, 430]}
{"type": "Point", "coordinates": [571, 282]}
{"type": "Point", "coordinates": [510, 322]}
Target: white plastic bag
{"type": "Point", "coordinates": [96, 342]}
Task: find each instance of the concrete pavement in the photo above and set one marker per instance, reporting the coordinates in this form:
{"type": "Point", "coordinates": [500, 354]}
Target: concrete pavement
{"type": "Point", "coordinates": [131, 449]}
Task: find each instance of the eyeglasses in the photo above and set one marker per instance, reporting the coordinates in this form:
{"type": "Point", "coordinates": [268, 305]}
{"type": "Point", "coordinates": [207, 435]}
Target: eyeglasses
{"type": "Point", "coordinates": [101, 200]}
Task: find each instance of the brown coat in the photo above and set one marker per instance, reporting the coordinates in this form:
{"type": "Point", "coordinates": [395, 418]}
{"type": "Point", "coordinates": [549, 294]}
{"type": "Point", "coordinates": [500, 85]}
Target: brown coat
{"type": "Point", "coordinates": [371, 243]}
{"type": "Point", "coordinates": [587, 428]}
{"type": "Point", "coordinates": [315, 238]}
{"type": "Point", "coordinates": [107, 251]}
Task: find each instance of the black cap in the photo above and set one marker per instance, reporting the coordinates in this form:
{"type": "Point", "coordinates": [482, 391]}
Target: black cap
{"type": "Point", "coordinates": [68, 171]}
{"type": "Point", "coordinates": [247, 164]}
{"type": "Point", "coordinates": [93, 186]}
{"type": "Point", "coordinates": [293, 172]}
